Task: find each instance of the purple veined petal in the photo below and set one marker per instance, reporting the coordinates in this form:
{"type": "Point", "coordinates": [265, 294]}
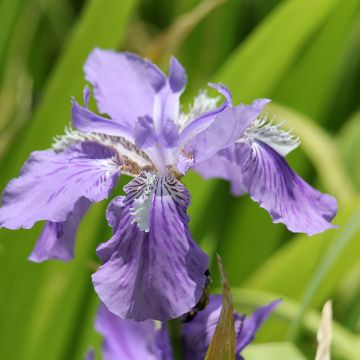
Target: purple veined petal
{"type": "Point", "coordinates": [86, 121]}
{"type": "Point", "coordinates": [225, 130]}
{"type": "Point", "coordinates": [131, 340]}
{"type": "Point", "coordinates": [124, 85]}
{"type": "Point", "coordinates": [156, 273]}
{"type": "Point", "coordinates": [277, 188]}
{"type": "Point", "coordinates": [248, 326]}
{"type": "Point", "coordinates": [50, 184]}
{"type": "Point", "coordinates": [197, 333]}
{"type": "Point", "coordinates": [199, 124]}
{"type": "Point", "coordinates": [57, 239]}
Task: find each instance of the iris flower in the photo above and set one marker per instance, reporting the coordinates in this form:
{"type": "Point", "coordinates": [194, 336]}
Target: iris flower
{"type": "Point", "coordinates": [127, 339]}
{"type": "Point", "coordinates": [151, 268]}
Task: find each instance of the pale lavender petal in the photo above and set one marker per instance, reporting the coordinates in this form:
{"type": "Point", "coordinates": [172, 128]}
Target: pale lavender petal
{"type": "Point", "coordinates": [169, 134]}
{"type": "Point", "coordinates": [124, 84]}
{"type": "Point", "coordinates": [199, 124]}
{"type": "Point", "coordinates": [131, 340]}
{"type": "Point", "coordinates": [159, 273]}
{"type": "Point", "coordinates": [86, 121]}
{"type": "Point", "coordinates": [50, 184]}
{"type": "Point", "coordinates": [220, 167]}
{"type": "Point", "coordinates": [288, 198]}
{"type": "Point", "coordinates": [250, 325]}
{"type": "Point", "coordinates": [225, 130]}
{"type": "Point", "coordinates": [57, 239]}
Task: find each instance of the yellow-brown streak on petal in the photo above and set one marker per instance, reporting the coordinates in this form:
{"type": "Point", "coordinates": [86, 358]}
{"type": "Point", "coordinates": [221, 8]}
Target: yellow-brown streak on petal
{"type": "Point", "coordinates": [169, 41]}
{"type": "Point", "coordinates": [223, 343]}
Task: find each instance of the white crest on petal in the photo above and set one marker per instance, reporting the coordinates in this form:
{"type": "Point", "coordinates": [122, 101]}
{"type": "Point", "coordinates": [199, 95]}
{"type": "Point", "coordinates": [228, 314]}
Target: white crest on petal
{"type": "Point", "coordinates": [271, 134]}
{"type": "Point", "coordinates": [134, 159]}
{"type": "Point", "coordinates": [201, 105]}
{"type": "Point", "coordinates": [142, 205]}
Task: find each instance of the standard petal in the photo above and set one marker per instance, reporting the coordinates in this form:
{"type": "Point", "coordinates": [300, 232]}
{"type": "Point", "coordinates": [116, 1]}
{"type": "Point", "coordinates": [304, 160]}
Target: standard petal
{"type": "Point", "coordinates": [159, 273]}
{"type": "Point", "coordinates": [131, 340]}
{"type": "Point", "coordinates": [277, 188]}
{"type": "Point", "coordinates": [50, 184]}
{"type": "Point", "coordinates": [57, 239]}
{"type": "Point", "coordinates": [124, 85]}
{"type": "Point", "coordinates": [225, 130]}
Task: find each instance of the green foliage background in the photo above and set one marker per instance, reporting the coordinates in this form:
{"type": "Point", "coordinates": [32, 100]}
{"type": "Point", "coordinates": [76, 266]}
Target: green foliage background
{"type": "Point", "coordinates": [304, 54]}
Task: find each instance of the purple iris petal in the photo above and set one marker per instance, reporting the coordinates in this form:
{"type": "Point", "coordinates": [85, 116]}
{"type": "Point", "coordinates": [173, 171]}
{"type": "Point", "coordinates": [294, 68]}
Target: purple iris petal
{"type": "Point", "coordinates": [246, 327]}
{"type": "Point", "coordinates": [124, 85]}
{"type": "Point", "coordinates": [152, 268]}
{"type": "Point", "coordinates": [221, 168]}
{"type": "Point", "coordinates": [203, 121]}
{"type": "Point", "coordinates": [50, 184]}
{"type": "Point", "coordinates": [278, 189]}
{"type": "Point", "coordinates": [145, 135]}
{"type": "Point", "coordinates": [57, 239]}
{"type": "Point", "coordinates": [198, 332]}
{"type": "Point", "coordinates": [177, 76]}
{"type": "Point", "coordinates": [86, 121]}
{"type": "Point", "coordinates": [225, 130]}
{"type": "Point", "coordinates": [131, 340]}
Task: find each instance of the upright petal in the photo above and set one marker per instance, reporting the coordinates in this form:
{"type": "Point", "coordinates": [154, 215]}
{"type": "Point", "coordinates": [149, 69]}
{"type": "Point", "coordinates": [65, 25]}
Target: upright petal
{"type": "Point", "coordinates": [278, 189]}
{"type": "Point", "coordinates": [57, 239]}
{"type": "Point", "coordinates": [152, 268]}
{"type": "Point", "coordinates": [124, 85]}
{"type": "Point", "coordinates": [225, 130]}
{"type": "Point", "coordinates": [131, 340]}
{"type": "Point", "coordinates": [50, 184]}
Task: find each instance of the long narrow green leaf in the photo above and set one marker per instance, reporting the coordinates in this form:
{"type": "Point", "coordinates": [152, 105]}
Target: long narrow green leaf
{"type": "Point", "coordinates": [259, 64]}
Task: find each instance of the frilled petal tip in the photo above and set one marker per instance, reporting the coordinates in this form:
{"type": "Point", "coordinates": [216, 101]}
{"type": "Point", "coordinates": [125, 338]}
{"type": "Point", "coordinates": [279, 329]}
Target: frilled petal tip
{"type": "Point", "coordinates": [152, 268]}
{"type": "Point", "coordinates": [51, 183]}
{"type": "Point", "coordinates": [127, 339]}
{"type": "Point", "coordinates": [289, 199]}
{"type": "Point", "coordinates": [57, 239]}
{"type": "Point", "coordinates": [177, 76]}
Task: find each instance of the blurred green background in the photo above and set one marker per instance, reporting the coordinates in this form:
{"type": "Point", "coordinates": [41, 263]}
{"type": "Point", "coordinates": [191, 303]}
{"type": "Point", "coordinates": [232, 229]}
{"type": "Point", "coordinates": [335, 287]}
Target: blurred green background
{"type": "Point", "coordinates": [303, 54]}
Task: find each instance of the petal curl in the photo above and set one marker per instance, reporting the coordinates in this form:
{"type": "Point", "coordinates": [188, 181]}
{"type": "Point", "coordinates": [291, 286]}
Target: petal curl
{"type": "Point", "coordinates": [130, 340]}
{"type": "Point", "coordinates": [51, 183]}
{"type": "Point", "coordinates": [57, 239]}
{"type": "Point", "coordinates": [277, 188]}
{"type": "Point", "coordinates": [159, 273]}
